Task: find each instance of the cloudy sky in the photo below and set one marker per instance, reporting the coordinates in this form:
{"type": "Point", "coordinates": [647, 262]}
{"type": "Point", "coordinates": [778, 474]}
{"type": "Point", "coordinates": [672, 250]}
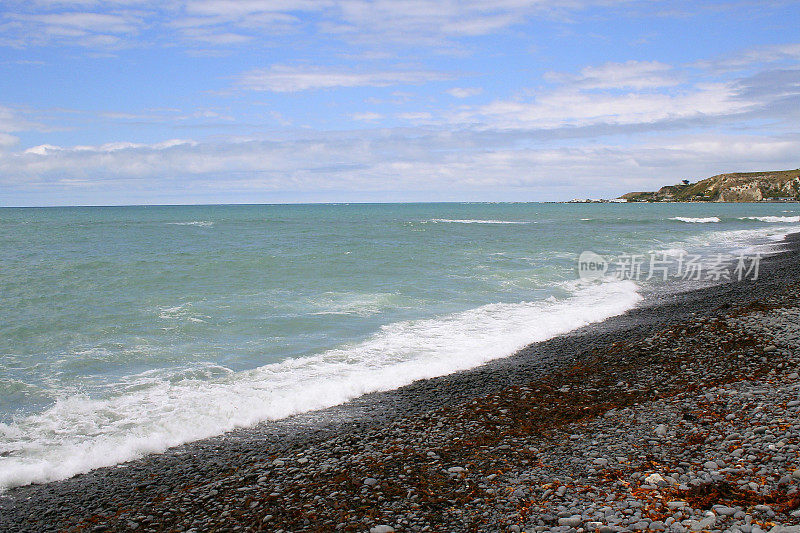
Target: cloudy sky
{"type": "Point", "coordinates": [230, 101]}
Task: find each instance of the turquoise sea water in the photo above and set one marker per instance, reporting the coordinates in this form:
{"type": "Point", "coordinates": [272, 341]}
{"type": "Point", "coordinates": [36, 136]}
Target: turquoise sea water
{"type": "Point", "coordinates": [125, 330]}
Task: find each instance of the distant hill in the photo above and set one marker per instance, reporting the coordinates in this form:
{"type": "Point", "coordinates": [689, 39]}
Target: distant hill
{"type": "Point", "coordinates": [781, 185]}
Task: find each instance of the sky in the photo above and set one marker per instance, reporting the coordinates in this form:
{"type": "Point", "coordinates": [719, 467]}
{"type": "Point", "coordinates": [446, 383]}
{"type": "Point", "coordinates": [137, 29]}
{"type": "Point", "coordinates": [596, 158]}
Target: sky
{"type": "Point", "coordinates": [119, 102]}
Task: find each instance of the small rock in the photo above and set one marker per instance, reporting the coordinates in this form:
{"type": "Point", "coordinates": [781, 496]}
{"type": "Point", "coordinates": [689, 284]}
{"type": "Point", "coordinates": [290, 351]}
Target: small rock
{"type": "Point", "coordinates": [654, 479]}
{"type": "Point", "coordinates": [724, 510]}
{"type": "Point", "coordinates": [571, 521]}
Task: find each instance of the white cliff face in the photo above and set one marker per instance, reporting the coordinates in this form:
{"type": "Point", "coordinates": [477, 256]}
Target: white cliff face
{"type": "Point", "coordinates": [748, 192]}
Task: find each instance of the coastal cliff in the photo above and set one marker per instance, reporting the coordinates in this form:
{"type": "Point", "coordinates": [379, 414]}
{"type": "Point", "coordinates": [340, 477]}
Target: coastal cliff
{"type": "Point", "coordinates": [783, 185]}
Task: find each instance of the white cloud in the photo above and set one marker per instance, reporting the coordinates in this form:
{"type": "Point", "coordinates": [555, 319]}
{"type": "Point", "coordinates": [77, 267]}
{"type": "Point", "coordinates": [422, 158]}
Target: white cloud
{"type": "Point", "coordinates": [567, 107]}
{"type": "Point", "coordinates": [246, 8]}
{"type": "Point", "coordinates": [11, 122]}
{"type": "Point", "coordinates": [648, 95]}
{"type": "Point", "coordinates": [167, 115]}
{"type": "Point", "coordinates": [434, 21]}
{"type": "Point", "coordinates": [757, 56]}
{"type": "Point", "coordinates": [373, 161]}
{"type": "Point", "coordinates": [285, 78]}
{"type": "Point", "coordinates": [367, 117]}
{"type": "Point", "coordinates": [209, 36]}
{"type": "Point", "coordinates": [7, 140]}
{"type": "Point", "coordinates": [464, 92]}
{"type": "Point", "coordinates": [635, 75]}
{"type": "Point", "coordinates": [231, 22]}
{"type": "Point", "coordinates": [416, 116]}
{"type": "Point", "coordinates": [91, 29]}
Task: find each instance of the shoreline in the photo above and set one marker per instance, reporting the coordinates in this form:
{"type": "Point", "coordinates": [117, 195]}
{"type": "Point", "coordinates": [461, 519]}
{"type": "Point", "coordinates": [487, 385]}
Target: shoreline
{"type": "Point", "coordinates": [213, 470]}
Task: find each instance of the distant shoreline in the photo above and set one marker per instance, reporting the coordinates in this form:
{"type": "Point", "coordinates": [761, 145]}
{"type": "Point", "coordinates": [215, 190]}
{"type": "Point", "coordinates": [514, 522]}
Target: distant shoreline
{"type": "Point", "coordinates": [776, 186]}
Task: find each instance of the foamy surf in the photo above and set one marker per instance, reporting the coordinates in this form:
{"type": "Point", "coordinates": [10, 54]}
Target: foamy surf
{"type": "Point", "coordinates": [200, 223]}
{"type": "Point", "coordinates": [475, 221]}
{"type": "Point", "coordinates": [697, 220]}
{"type": "Point", "coordinates": [743, 241]}
{"type": "Point", "coordinates": [773, 219]}
{"type": "Point", "coordinates": [79, 433]}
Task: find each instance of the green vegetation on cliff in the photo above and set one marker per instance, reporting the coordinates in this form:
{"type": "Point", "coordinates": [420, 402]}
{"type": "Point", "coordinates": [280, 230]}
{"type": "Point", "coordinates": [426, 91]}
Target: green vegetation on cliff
{"type": "Point", "coordinates": [781, 185]}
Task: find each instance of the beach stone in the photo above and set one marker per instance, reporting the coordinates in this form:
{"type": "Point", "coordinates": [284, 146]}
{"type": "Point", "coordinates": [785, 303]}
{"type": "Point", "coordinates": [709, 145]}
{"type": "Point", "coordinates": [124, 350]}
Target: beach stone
{"type": "Point", "coordinates": [381, 529]}
{"type": "Point", "coordinates": [654, 479]}
{"type": "Point", "coordinates": [661, 430]}
{"type": "Point", "coordinates": [456, 469]}
{"type": "Point", "coordinates": [370, 482]}
{"type": "Point", "coordinates": [571, 521]}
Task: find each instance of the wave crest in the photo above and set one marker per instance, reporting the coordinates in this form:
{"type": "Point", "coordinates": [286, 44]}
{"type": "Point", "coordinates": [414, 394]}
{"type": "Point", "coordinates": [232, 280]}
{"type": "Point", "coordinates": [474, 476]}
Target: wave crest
{"type": "Point", "coordinates": [698, 220]}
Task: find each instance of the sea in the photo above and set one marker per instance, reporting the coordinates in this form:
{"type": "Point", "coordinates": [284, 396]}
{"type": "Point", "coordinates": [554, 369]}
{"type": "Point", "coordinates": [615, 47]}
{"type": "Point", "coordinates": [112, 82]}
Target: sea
{"type": "Point", "coordinates": [128, 330]}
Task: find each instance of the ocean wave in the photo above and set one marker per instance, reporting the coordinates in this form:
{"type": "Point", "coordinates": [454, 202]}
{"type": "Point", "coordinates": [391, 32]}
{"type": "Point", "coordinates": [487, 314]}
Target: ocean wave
{"type": "Point", "coordinates": [773, 219]}
{"type": "Point", "coordinates": [476, 221]}
{"type": "Point", "coordinates": [700, 220]}
{"type": "Point", "coordinates": [201, 223]}
{"type": "Point", "coordinates": [80, 433]}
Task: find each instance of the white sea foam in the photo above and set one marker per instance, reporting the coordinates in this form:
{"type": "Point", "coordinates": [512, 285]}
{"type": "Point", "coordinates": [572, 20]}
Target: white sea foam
{"type": "Point", "coordinates": [774, 220]}
{"type": "Point", "coordinates": [154, 412]}
{"type": "Point", "coordinates": [745, 241]}
{"type": "Point", "coordinates": [700, 220]}
{"type": "Point", "coordinates": [351, 303]}
{"type": "Point", "coordinates": [670, 252]}
{"type": "Point", "coordinates": [475, 221]}
{"type": "Point", "coordinates": [202, 223]}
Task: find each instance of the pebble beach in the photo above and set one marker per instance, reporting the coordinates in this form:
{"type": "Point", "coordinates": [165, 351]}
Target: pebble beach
{"type": "Point", "coordinates": [681, 415]}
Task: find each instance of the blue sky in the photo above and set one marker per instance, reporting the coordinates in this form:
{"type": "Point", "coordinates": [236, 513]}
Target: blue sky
{"type": "Point", "coordinates": [229, 101]}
